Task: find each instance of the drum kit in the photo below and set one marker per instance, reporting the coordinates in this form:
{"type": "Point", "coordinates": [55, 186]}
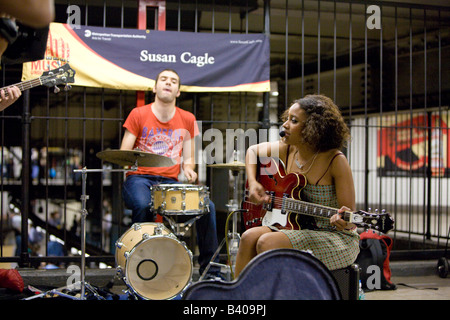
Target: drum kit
{"type": "Point", "coordinates": [150, 259]}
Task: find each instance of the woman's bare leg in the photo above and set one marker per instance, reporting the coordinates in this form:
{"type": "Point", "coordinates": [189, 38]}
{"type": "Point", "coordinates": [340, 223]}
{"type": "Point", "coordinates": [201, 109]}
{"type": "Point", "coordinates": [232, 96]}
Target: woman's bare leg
{"type": "Point", "coordinates": [272, 240]}
{"type": "Point", "coordinates": [247, 247]}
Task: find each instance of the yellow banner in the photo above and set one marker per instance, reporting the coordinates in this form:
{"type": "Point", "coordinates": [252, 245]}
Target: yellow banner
{"type": "Point", "coordinates": [91, 69]}
{"type": "Point", "coordinates": [130, 59]}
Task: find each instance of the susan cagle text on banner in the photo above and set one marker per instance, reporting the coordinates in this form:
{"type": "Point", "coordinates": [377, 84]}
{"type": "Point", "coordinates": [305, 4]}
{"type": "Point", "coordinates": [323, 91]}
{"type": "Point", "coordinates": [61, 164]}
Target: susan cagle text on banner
{"type": "Point", "coordinates": [130, 59]}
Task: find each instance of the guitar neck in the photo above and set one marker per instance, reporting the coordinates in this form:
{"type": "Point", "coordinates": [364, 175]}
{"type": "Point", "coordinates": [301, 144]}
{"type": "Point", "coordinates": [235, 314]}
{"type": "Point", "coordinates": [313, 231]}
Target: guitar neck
{"type": "Point", "coordinates": [24, 85]}
{"type": "Point", "coordinates": [311, 209]}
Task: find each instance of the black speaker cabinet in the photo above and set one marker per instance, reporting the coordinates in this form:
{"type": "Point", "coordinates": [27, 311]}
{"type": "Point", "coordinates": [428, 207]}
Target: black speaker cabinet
{"type": "Point", "coordinates": [348, 281]}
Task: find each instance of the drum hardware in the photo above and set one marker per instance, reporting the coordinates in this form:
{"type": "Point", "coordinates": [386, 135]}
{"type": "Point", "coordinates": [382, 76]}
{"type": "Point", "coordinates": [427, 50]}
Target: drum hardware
{"type": "Point", "coordinates": [84, 213]}
{"type": "Point", "coordinates": [82, 284]}
{"type": "Point", "coordinates": [177, 201]}
{"type": "Point", "coordinates": [84, 197]}
{"type": "Point", "coordinates": [145, 236]}
{"type": "Point", "coordinates": [59, 292]}
{"type": "Point", "coordinates": [179, 228]}
{"type": "Point", "coordinates": [231, 239]}
{"type": "Point", "coordinates": [132, 158]}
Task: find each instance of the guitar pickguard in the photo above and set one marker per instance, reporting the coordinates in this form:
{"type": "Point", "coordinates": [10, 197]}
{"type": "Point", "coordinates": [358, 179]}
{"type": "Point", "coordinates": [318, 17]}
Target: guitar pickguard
{"type": "Point", "coordinates": [276, 216]}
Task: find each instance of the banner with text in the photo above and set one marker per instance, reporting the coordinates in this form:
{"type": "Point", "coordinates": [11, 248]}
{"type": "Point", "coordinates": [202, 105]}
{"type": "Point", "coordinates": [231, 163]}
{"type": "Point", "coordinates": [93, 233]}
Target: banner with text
{"type": "Point", "coordinates": [130, 59]}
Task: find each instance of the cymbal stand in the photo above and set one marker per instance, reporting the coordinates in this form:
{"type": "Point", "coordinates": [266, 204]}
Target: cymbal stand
{"type": "Point", "coordinates": [233, 243]}
{"type": "Point", "coordinates": [84, 212]}
{"type": "Point", "coordinates": [233, 206]}
{"type": "Point", "coordinates": [82, 284]}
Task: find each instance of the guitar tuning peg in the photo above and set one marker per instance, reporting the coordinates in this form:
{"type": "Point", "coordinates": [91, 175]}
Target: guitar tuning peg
{"type": "Point", "coordinates": [370, 209]}
{"type": "Point", "coordinates": [56, 89]}
{"type": "Point", "coordinates": [67, 87]}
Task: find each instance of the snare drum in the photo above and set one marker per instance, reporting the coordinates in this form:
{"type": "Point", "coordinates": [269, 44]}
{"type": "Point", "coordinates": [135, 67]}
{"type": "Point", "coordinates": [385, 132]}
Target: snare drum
{"type": "Point", "coordinates": [152, 262]}
{"type": "Point", "coordinates": [180, 199]}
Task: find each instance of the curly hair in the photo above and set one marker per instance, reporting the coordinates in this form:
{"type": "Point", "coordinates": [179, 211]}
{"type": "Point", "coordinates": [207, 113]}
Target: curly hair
{"type": "Point", "coordinates": [324, 128]}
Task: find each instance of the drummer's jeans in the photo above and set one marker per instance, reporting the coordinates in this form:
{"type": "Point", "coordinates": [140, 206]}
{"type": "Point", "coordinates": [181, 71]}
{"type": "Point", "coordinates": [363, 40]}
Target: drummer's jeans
{"type": "Point", "coordinates": [137, 197]}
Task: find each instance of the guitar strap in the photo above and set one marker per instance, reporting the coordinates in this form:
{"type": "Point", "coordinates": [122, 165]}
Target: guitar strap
{"type": "Point", "coordinates": [329, 165]}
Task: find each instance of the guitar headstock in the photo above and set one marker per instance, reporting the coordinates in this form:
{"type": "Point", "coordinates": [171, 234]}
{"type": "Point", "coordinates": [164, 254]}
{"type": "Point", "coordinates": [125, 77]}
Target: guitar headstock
{"type": "Point", "coordinates": [62, 75]}
{"type": "Point", "coordinates": [382, 222]}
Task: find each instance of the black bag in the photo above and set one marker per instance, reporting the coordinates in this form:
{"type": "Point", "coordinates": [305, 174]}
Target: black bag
{"type": "Point", "coordinates": [374, 256]}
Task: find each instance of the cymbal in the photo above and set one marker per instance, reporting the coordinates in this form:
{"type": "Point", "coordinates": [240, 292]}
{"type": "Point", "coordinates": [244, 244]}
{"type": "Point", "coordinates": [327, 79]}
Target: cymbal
{"type": "Point", "coordinates": [235, 165]}
{"type": "Point", "coordinates": [132, 157]}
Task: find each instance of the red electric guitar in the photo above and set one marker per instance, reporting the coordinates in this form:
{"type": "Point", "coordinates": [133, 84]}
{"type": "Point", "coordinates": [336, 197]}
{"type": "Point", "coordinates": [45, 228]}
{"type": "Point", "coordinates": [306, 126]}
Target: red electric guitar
{"type": "Point", "coordinates": [285, 209]}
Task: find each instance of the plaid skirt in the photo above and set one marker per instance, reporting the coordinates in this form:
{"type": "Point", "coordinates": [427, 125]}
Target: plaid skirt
{"type": "Point", "coordinates": [336, 249]}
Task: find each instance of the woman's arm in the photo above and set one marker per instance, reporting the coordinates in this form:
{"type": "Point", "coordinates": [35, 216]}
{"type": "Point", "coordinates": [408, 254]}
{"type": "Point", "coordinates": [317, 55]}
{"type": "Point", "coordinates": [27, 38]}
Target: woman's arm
{"type": "Point", "coordinates": [257, 193]}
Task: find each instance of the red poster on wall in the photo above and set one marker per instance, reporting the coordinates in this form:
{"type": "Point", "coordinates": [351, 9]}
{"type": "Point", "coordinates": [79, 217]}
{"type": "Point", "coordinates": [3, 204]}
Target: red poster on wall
{"type": "Point", "coordinates": [409, 146]}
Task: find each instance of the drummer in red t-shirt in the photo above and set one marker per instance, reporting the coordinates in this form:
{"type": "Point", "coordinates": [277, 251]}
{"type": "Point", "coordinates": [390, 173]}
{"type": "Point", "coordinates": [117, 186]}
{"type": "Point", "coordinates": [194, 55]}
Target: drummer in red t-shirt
{"type": "Point", "coordinates": [163, 128]}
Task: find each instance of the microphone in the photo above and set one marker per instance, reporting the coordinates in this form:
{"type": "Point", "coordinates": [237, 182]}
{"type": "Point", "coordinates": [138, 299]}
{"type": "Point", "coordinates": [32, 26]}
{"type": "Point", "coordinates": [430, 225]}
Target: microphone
{"type": "Point", "coordinates": [282, 133]}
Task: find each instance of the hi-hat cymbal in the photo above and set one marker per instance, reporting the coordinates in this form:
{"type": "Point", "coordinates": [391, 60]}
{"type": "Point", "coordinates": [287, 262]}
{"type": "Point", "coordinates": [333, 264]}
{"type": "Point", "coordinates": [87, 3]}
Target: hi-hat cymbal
{"type": "Point", "coordinates": [235, 165]}
{"type": "Point", "coordinates": [135, 157]}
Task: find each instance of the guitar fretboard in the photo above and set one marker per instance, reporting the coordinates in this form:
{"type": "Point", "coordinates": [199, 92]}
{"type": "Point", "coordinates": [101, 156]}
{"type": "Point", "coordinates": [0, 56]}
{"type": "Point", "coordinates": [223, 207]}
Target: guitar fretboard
{"type": "Point", "coordinates": [24, 85]}
{"type": "Point", "coordinates": [307, 208]}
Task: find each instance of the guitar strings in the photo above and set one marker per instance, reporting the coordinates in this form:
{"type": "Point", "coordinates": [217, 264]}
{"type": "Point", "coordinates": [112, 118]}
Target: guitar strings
{"type": "Point", "coordinates": [28, 84]}
{"type": "Point", "coordinates": [278, 201]}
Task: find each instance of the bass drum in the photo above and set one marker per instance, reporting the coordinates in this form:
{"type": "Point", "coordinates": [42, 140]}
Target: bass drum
{"type": "Point", "coordinates": [152, 262]}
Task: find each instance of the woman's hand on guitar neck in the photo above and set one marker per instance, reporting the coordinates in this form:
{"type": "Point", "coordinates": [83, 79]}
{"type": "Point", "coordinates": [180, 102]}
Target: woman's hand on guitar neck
{"type": "Point", "coordinates": [340, 224]}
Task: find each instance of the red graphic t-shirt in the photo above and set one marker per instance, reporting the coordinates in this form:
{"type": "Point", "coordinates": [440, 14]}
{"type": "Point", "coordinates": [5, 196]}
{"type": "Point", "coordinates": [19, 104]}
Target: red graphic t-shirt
{"type": "Point", "coordinates": [162, 138]}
